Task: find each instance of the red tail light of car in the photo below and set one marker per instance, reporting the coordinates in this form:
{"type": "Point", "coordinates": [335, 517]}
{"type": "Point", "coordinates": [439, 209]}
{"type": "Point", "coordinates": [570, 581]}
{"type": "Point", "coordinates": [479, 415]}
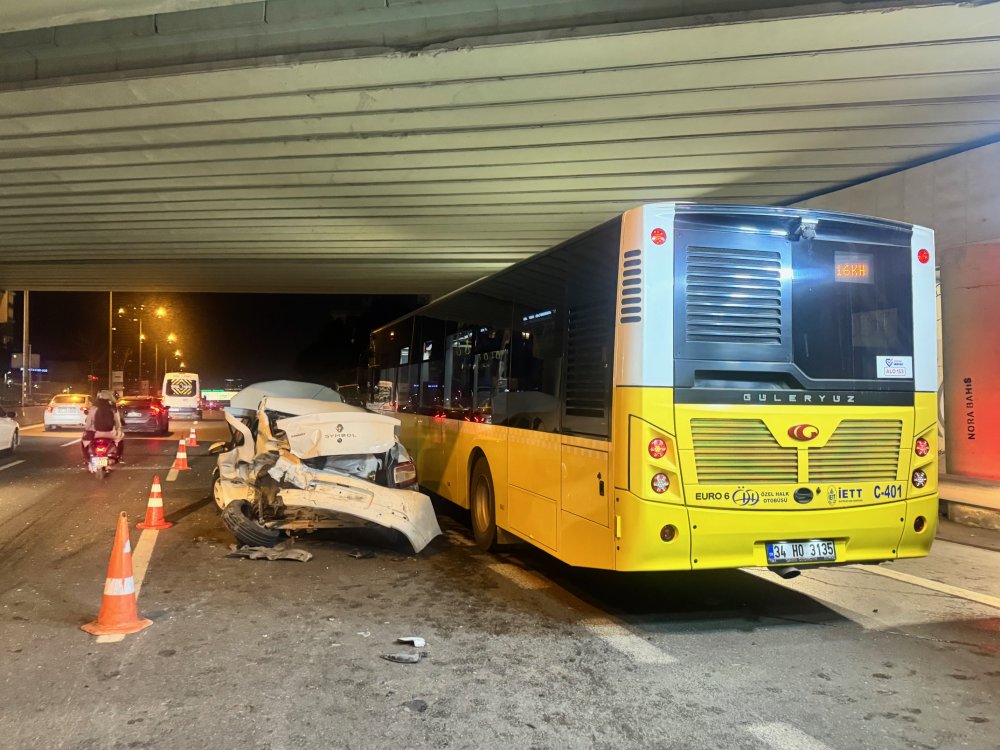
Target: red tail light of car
{"type": "Point", "coordinates": [155, 410]}
{"type": "Point", "coordinates": [405, 474]}
{"type": "Point", "coordinates": [50, 409]}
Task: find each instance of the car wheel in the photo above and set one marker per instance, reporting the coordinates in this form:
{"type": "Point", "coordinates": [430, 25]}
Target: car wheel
{"type": "Point", "coordinates": [482, 506]}
{"type": "Point", "coordinates": [49, 428]}
{"type": "Point", "coordinates": [238, 517]}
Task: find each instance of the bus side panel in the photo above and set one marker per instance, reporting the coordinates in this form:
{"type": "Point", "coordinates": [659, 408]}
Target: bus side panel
{"type": "Point", "coordinates": [586, 532]}
{"type": "Point", "coordinates": [445, 448]}
{"type": "Point", "coordinates": [534, 480]}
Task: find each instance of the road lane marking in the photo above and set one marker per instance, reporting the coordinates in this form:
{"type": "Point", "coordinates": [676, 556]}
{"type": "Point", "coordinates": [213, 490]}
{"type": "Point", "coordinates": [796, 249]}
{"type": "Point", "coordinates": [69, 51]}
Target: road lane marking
{"type": "Point", "coordinates": [624, 640]}
{"type": "Point", "coordinates": [609, 630]}
{"type": "Point", "coordinates": [943, 588]}
{"type": "Point", "coordinates": [172, 475]}
{"type": "Point", "coordinates": [140, 564]}
{"type": "Point", "coordinates": [782, 736]}
{"type": "Point", "coordinates": [520, 577]}
{"type": "Point", "coordinates": [71, 442]}
{"type": "Point", "coordinates": [12, 464]}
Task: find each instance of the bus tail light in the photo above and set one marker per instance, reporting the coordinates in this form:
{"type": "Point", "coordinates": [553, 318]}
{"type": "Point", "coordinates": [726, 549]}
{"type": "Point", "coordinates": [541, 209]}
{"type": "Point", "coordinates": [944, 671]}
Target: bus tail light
{"type": "Point", "coordinates": [660, 483]}
{"type": "Point", "coordinates": [919, 524]}
{"type": "Point", "coordinates": [657, 448]}
{"type": "Point", "coordinates": [923, 255]}
{"type": "Point", "coordinates": [919, 478]}
{"type": "Point", "coordinates": [405, 474]}
{"type": "Point", "coordinates": [658, 236]}
{"type": "Point", "coordinates": [921, 447]}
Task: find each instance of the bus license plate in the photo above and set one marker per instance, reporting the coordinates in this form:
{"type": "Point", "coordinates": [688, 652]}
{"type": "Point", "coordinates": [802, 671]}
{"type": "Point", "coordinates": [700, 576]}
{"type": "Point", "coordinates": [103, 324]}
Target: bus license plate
{"type": "Point", "coordinates": [779, 553]}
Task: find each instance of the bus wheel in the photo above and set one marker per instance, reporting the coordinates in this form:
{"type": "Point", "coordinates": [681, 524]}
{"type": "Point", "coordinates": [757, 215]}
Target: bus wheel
{"type": "Point", "coordinates": [482, 506]}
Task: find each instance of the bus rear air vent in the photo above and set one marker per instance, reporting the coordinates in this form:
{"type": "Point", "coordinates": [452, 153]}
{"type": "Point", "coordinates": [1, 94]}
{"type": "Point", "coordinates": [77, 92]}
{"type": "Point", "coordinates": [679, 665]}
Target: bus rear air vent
{"type": "Point", "coordinates": [631, 309]}
{"type": "Point", "coordinates": [733, 296]}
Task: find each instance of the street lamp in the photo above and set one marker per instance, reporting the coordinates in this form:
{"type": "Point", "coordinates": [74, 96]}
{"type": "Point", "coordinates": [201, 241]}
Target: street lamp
{"type": "Point", "coordinates": [139, 311]}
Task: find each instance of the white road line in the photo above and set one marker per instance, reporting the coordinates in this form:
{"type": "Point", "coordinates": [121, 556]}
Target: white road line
{"type": "Point", "coordinates": [520, 577]}
{"type": "Point", "coordinates": [172, 475]}
{"type": "Point", "coordinates": [12, 464]}
{"type": "Point", "coordinates": [624, 640]}
{"type": "Point", "coordinates": [140, 563]}
{"type": "Point", "coordinates": [943, 588]}
{"type": "Point", "coordinates": [71, 442]}
{"type": "Point", "coordinates": [783, 736]}
{"type": "Point", "coordinates": [611, 631]}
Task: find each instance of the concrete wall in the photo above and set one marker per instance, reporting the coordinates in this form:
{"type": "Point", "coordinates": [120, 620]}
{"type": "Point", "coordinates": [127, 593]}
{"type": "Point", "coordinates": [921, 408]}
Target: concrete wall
{"type": "Point", "coordinates": [958, 197]}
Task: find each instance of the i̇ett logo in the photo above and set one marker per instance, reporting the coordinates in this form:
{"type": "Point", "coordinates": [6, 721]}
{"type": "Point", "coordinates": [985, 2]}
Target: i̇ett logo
{"type": "Point", "coordinates": [803, 432]}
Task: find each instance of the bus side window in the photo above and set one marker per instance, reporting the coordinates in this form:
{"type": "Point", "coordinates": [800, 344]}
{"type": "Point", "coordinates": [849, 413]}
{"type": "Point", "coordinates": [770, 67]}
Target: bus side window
{"type": "Point", "coordinates": [458, 366]}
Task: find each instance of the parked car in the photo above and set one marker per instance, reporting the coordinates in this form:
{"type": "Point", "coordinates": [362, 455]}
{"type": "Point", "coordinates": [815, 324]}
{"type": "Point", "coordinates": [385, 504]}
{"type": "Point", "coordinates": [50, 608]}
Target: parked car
{"type": "Point", "coordinates": [299, 459]}
{"type": "Point", "coordinates": [67, 410]}
{"type": "Point", "coordinates": [9, 432]}
{"type": "Point", "coordinates": [144, 414]}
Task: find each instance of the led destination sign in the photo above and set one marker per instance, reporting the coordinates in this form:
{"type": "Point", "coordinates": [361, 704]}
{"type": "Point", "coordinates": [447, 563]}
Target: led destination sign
{"type": "Point", "coordinates": [853, 268]}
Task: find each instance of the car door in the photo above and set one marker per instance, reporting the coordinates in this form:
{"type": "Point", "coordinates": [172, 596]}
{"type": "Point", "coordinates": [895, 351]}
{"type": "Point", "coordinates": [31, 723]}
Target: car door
{"type": "Point", "coordinates": [7, 427]}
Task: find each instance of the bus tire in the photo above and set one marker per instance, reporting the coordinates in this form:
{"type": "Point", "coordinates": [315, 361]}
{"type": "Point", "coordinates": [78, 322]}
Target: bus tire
{"type": "Point", "coordinates": [482, 506]}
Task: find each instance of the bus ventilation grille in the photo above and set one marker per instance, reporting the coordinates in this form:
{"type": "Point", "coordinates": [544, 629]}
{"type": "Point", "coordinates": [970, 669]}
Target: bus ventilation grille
{"type": "Point", "coordinates": [858, 451]}
{"type": "Point", "coordinates": [733, 296]}
{"type": "Point", "coordinates": [631, 311]}
{"type": "Point", "coordinates": [733, 451]}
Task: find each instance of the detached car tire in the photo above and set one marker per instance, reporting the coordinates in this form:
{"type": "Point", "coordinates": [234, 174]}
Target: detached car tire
{"type": "Point", "coordinates": [238, 517]}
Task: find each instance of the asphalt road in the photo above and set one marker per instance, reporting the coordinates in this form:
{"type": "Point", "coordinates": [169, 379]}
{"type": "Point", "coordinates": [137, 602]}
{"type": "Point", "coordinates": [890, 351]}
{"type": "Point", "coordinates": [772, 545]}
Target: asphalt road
{"type": "Point", "coordinates": [522, 652]}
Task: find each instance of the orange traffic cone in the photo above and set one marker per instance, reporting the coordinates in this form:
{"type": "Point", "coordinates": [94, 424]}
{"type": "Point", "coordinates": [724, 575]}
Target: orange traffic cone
{"type": "Point", "coordinates": [118, 613]}
{"type": "Point", "coordinates": [192, 440]}
{"type": "Point", "coordinates": [154, 509]}
{"type": "Point", "coordinates": [181, 462]}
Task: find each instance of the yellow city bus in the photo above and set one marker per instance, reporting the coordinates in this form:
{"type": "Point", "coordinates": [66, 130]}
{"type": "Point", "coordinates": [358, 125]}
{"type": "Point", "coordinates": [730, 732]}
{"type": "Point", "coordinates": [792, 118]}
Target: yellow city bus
{"type": "Point", "coordinates": [682, 388]}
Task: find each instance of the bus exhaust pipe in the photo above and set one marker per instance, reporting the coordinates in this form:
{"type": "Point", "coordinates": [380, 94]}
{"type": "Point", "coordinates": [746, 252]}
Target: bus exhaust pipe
{"type": "Point", "coordinates": [787, 572]}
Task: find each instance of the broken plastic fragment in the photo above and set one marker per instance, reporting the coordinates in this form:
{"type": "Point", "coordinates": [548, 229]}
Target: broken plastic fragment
{"type": "Point", "coordinates": [403, 658]}
{"type": "Point", "coordinates": [270, 553]}
{"type": "Point", "coordinates": [361, 555]}
{"type": "Point", "coordinates": [414, 640]}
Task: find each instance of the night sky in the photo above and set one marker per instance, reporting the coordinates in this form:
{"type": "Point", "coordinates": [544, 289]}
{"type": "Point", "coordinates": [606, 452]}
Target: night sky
{"type": "Point", "coordinates": [248, 336]}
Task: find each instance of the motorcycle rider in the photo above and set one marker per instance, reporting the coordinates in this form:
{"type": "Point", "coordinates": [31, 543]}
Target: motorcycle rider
{"type": "Point", "coordinates": [104, 421]}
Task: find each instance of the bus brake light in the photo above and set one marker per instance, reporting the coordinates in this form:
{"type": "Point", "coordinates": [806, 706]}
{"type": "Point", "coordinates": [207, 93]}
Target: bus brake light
{"type": "Point", "coordinates": [923, 255]}
{"type": "Point", "coordinates": [660, 483]}
{"type": "Point", "coordinates": [658, 236]}
{"type": "Point", "coordinates": [657, 448]}
{"type": "Point", "coordinates": [921, 447]}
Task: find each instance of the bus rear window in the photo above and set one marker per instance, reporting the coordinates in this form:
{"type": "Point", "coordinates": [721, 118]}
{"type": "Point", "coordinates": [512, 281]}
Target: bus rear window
{"type": "Point", "coordinates": [852, 307]}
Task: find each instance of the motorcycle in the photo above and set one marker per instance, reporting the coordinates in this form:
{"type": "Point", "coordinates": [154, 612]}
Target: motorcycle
{"type": "Point", "coordinates": [102, 454]}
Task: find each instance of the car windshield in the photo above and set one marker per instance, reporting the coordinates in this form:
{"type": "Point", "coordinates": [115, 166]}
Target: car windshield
{"type": "Point", "coordinates": [71, 398]}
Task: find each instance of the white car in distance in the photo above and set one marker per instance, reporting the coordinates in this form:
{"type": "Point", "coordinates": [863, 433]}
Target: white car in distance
{"type": "Point", "coordinates": [67, 410]}
{"type": "Point", "coordinates": [9, 433]}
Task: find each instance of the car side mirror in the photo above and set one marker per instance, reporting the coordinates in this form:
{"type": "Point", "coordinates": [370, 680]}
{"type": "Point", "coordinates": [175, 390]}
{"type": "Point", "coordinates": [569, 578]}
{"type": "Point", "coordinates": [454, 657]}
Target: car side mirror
{"type": "Point", "coordinates": [217, 448]}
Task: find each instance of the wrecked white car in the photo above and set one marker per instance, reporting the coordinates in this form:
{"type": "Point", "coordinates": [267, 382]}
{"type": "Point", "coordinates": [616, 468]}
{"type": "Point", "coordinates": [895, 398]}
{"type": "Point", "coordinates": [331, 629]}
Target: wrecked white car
{"type": "Point", "coordinates": [299, 459]}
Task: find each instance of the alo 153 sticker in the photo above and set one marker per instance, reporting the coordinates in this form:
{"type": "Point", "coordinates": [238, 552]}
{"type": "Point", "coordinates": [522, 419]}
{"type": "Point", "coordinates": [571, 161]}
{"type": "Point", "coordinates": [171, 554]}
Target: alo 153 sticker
{"type": "Point", "coordinates": [894, 367]}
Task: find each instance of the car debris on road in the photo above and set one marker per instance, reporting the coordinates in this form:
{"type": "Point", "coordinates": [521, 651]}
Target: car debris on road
{"type": "Point", "coordinates": [283, 551]}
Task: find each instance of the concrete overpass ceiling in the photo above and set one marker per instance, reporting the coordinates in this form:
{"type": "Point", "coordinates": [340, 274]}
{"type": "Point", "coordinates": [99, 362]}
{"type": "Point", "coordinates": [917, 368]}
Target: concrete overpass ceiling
{"type": "Point", "coordinates": [171, 162]}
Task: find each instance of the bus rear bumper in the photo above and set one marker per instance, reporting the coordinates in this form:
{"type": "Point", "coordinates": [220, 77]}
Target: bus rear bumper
{"type": "Point", "coordinates": [710, 538]}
